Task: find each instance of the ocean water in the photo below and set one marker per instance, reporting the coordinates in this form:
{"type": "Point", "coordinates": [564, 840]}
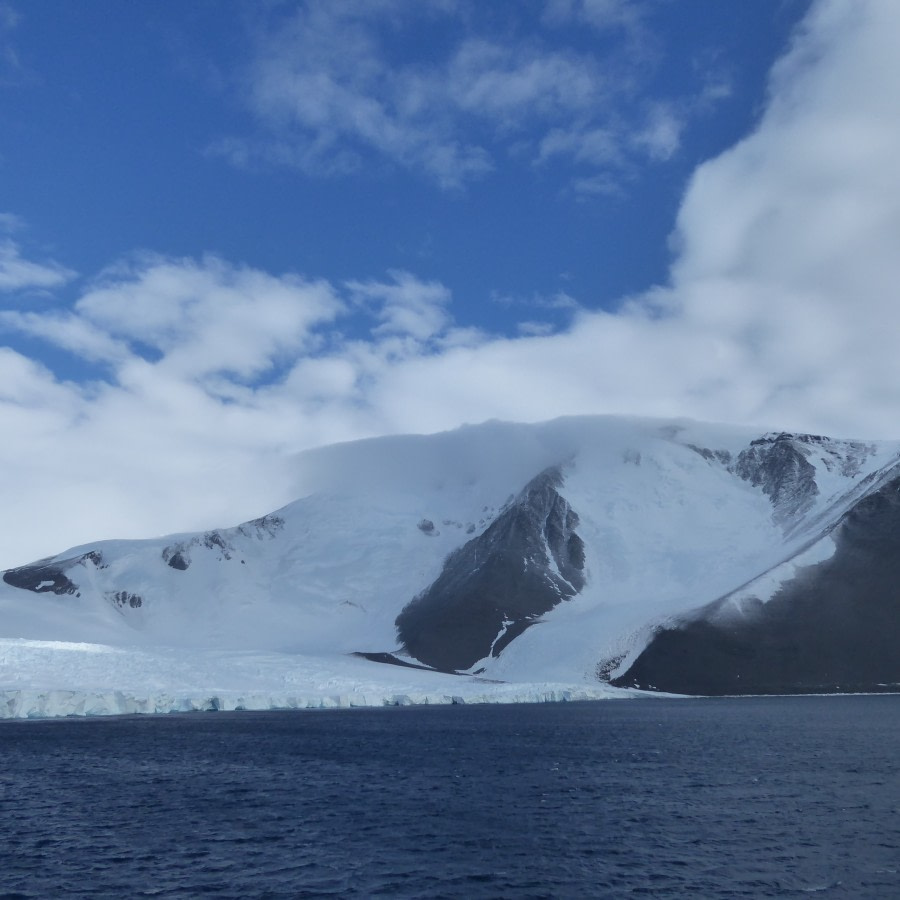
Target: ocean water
{"type": "Point", "coordinates": [768, 797]}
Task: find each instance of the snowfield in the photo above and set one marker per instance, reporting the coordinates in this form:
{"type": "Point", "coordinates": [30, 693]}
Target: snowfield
{"type": "Point", "coordinates": [542, 558]}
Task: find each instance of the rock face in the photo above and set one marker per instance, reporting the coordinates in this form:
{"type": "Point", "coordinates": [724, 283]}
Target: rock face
{"type": "Point", "coordinates": [495, 586]}
{"type": "Point", "coordinates": [50, 575]}
{"type": "Point", "coordinates": [832, 628]}
{"type": "Point", "coordinates": [125, 598]}
{"type": "Point", "coordinates": [778, 465]}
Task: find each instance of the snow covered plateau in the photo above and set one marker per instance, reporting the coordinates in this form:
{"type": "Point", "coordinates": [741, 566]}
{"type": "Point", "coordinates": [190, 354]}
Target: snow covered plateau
{"type": "Point", "coordinates": [583, 558]}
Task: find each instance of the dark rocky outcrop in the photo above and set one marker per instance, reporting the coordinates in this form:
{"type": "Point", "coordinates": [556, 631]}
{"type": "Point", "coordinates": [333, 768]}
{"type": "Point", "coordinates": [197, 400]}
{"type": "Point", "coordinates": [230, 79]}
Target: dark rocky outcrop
{"type": "Point", "coordinates": [55, 575]}
{"type": "Point", "coordinates": [779, 466]}
{"type": "Point", "coordinates": [51, 575]}
{"type": "Point", "coordinates": [831, 628]}
{"type": "Point", "coordinates": [498, 584]}
{"type": "Point", "coordinates": [393, 660]}
{"type": "Point", "coordinates": [176, 560]}
{"type": "Point", "coordinates": [122, 599]}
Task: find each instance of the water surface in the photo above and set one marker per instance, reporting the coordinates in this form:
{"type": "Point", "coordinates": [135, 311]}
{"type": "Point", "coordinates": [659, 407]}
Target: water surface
{"type": "Point", "coordinates": [753, 797]}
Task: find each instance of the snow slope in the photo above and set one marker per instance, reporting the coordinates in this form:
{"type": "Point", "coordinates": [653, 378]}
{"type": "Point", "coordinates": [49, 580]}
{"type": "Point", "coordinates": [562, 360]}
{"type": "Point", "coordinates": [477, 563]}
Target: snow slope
{"type": "Point", "coordinates": [448, 532]}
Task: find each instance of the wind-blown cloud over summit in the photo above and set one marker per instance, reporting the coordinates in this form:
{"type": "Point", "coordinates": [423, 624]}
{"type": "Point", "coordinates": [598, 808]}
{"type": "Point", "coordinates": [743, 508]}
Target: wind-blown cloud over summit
{"type": "Point", "coordinates": [780, 309]}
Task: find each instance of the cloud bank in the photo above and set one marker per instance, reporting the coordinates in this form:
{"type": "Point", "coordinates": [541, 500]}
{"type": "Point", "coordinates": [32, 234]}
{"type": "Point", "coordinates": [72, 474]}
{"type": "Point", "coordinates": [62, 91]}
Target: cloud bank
{"type": "Point", "coordinates": [780, 311]}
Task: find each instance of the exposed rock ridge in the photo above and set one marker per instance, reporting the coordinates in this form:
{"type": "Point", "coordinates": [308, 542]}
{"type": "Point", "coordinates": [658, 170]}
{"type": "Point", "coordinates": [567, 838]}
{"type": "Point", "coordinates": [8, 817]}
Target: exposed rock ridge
{"type": "Point", "coordinates": [178, 555]}
{"type": "Point", "coordinates": [779, 466]}
{"type": "Point", "coordinates": [779, 463]}
{"type": "Point", "coordinates": [498, 584]}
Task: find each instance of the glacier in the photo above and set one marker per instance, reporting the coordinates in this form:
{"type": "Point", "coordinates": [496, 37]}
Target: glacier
{"type": "Point", "coordinates": [587, 557]}
{"type": "Point", "coordinates": [40, 679]}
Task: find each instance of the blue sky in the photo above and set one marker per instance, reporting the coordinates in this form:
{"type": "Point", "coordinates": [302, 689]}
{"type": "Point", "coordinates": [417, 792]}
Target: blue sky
{"type": "Point", "coordinates": [233, 230]}
{"type": "Point", "coordinates": [154, 126]}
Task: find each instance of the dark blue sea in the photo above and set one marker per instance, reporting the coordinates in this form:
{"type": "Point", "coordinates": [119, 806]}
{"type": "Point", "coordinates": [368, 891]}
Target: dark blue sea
{"type": "Point", "coordinates": [768, 797]}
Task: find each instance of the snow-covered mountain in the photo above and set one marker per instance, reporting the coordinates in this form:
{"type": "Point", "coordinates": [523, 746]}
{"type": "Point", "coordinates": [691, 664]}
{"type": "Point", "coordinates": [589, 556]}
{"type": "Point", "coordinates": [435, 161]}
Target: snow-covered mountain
{"type": "Point", "coordinates": [666, 555]}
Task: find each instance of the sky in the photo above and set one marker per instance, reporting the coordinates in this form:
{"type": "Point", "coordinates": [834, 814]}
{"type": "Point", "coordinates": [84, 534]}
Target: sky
{"type": "Point", "coordinates": [230, 231]}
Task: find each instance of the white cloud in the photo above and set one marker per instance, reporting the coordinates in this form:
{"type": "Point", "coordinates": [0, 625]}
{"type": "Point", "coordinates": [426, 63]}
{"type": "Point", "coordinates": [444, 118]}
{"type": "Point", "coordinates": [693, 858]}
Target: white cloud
{"type": "Point", "coordinates": [28, 391]}
{"type": "Point", "coordinates": [405, 306]}
{"type": "Point", "coordinates": [788, 239]}
{"type": "Point", "coordinates": [781, 311]}
{"type": "Point", "coordinates": [323, 86]}
{"type": "Point", "coordinates": [68, 332]}
{"type": "Point", "coordinates": [18, 273]}
{"type": "Point", "coordinates": [513, 86]}
{"type": "Point", "coordinates": [661, 135]}
{"type": "Point", "coordinates": [781, 308]}
{"type": "Point", "coordinates": [212, 372]}
{"type": "Point", "coordinates": [595, 146]}
{"type": "Point", "coordinates": [600, 14]}
{"type": "Point", "coordinates": [208, 318]}
{"type": "Point", "coordinates": [559, 301]}
{"type": "Point", "coordinates": [332, 91]}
